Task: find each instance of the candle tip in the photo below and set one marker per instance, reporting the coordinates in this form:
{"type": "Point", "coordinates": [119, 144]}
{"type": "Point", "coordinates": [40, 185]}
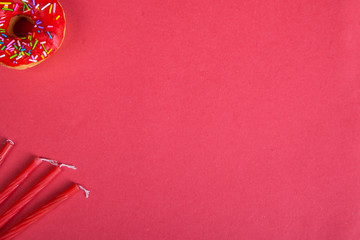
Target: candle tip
{"type": "Point", "coordinates": [58, 164]}
{"type": "Point", "coordinates": [9, 141]}
{"type": "Point", "coordinates": [67, 165]}
{"type": "Point", "coordinates": [87, 192]}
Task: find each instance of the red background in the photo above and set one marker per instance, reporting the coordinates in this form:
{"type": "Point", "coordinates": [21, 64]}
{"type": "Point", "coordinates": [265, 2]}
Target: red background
{"type": "Point", "coordinates": [195, 120]}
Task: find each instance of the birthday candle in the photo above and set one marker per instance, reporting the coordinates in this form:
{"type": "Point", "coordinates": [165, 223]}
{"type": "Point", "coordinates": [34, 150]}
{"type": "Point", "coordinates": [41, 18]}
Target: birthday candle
{"type": "Point", "coordinates": [6, 149]}
{"type": "Point", "coordinates": [14, 209]}
{"type": "Point", "coordinates": [21, 203]}
{"type": "Point", "coordinates": [19, 179]}
{"type": "Point", "coordinates": [32, 218]}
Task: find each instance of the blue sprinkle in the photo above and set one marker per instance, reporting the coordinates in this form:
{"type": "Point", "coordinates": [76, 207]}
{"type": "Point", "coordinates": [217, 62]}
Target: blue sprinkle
{"type": "Point", "coordinates": [3, 35]}
{"type": "Point", "coordinates": [38, 31]}
{"type": "Point", "coordinates": [38, 22]}
{"type": "Point", "coordinates": [23, 50]}
{"type": "Point", "coordinates": [1, 42]}
{"type": "Point", "coordinates": [34, 3]}
{"type": "Point", "coordinates": [40, 27]}
{"type": "Point", "coordinates": [49, 34]}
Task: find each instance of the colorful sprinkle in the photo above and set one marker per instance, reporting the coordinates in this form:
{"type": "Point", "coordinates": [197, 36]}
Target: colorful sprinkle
{"type": "Point", "coordinates": [42, 9]}
{"type": "Point", "coordinates": [26, 5]}
{"type": "Point", "coordinates": [43, 47]}
{"type": "Point", "coordinates": [35, 44]}
{"type": "Point", "coordinates": [49, 35]}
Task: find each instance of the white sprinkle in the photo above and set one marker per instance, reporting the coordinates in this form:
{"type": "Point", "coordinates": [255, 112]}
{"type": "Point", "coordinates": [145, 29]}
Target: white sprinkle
{"type": "Point", "coordinates": [36, 57]}
{"type": "Point", "coordinates": [44, 53]}
{"type": "Point", "coordinates": [37, 6]}
{"type": "Point", "coordinates": [31, 60]}
{"type": "Point", "coordinates": [2, 56]}
{"type": "Point", "coordinates": [18, 42]}
{"type": "Point", "coordinates": [27, 11]}
{"type": "Point", "coordinates": [45, 6]}
{"type": "Point", "coordinates": [43, 42]}
{"type": "Point", "coordinates": [54, 8]}
{"type": "Point", "coordinates": [11, 43]}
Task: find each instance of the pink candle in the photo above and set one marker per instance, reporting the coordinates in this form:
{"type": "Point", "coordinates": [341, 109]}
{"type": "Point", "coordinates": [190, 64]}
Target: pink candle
{"type": "Point", "coordinates": [19, 179]}
{"type": "Point", "coordinates": [14, 209]}
{"type": "Point", "coordinates": [6, 149]}
{"type": "Point", "coordinates": [32, 218]}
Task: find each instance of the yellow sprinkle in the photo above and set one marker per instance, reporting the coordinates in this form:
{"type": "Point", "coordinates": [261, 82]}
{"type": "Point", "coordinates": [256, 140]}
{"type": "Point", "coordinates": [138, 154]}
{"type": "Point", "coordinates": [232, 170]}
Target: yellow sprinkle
{"type": "Point", "coordinates": [42, 56]}
{"type": "Point", "coordinates": [22, 53]}
{"type": "Point", "coordinates": [5, 3]}
{"type": "Point", "coordinates": [50, 8]}
{"type": "Point", "coordinates": [49, 51]}
{"type": "Point", "coordinates": [57, 17]}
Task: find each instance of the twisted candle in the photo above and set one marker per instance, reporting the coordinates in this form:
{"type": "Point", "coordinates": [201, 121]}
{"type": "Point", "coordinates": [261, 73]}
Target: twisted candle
{"type": "Point", "coordinates": [19, 179]}
{"type": "Point", "coordinates": [6, 149]}
{"type": "Point", "coordinates": [32, 218]}
{"type": "Point", "coordinates": [15, 208]}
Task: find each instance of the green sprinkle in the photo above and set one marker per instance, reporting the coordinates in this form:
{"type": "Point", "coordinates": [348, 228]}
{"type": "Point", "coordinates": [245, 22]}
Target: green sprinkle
{"type": "Point", "coordinates": [13, 56]}
{"type": "Point", "coordinates": [35, 44]}
{"type": "Point", "coordinates": [27, 54]}
{"type": "Point", "coordinates": [26, 5]}
{"type": "Point", "coordinates": [3, 48]}
{"type": "Point", "coordinates": [43, 47]}
{"type": "Point", "coordinates": [16, 47]}
{"type": "Point", "coordinates": [7, 9]}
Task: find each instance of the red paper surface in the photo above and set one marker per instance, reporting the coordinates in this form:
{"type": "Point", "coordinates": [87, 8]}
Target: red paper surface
{"type": "Point", "coordinates": [195, 120]}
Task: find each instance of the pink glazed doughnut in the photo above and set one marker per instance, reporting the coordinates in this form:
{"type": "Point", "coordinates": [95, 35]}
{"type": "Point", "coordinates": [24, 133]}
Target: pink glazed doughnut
{"type": "Point", "coordinates": [30, 31]}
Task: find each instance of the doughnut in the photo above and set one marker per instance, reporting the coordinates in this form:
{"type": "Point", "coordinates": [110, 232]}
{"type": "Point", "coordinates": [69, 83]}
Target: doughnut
{"type": "Point", "coordinates": [30, 31]}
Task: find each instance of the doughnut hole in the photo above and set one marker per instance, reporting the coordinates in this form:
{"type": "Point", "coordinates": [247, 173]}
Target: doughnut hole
{"type": "Point", "coordinates": [20, 26]}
